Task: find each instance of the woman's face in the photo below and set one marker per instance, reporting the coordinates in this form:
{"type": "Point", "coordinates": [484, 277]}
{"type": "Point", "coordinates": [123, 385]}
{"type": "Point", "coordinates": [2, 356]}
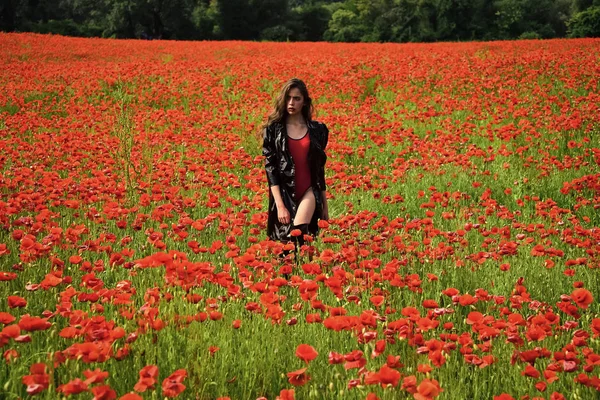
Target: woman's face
{"type": "Point", "coordinates": [294, 101]}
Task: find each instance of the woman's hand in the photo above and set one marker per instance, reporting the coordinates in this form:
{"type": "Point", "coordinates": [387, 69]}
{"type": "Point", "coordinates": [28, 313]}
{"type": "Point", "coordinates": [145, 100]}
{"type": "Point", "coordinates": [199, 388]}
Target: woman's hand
{"type": "Point", "coordinates": [283, 215]}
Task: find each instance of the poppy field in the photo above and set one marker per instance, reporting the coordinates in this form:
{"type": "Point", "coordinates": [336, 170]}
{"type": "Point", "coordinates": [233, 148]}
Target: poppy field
{"type": "Point", "coordinates": [461, 259]}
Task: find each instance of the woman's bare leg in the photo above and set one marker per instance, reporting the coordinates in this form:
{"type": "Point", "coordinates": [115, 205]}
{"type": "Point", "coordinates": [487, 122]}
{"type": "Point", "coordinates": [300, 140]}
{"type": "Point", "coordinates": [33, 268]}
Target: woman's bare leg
{"type": "Point", "coordinates": [306, 208]}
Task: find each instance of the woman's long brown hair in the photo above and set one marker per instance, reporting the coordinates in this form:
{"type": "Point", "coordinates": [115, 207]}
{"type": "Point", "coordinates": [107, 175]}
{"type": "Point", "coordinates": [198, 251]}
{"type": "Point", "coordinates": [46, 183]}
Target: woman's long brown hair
{"type": "Point", "coordinates": [279, 111]}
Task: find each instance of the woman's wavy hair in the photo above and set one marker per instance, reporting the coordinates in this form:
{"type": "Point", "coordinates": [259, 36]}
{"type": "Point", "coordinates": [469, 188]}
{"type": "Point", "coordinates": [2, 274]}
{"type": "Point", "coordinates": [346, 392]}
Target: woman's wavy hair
{"type": "Point", "coordinates": [279, 112]}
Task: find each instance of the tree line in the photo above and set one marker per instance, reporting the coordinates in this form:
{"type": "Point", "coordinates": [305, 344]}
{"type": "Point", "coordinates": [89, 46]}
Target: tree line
{"type": "Point", "coordinates": [306, 20]}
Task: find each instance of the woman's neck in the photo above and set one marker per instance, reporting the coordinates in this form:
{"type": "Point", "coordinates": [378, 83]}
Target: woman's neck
{"type": "Point", "coordinates": [295, 120]}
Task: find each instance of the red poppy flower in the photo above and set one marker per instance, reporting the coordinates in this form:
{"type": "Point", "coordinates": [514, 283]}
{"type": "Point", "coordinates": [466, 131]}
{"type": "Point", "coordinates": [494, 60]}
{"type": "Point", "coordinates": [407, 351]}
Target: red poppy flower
{"type": "Point", "coordinates": [313, 318]}
{"type": "Point", "coordinates": [68, 332]}
{"type": "Point", "coordinates": [172, 386]}
{"type": "Point", "coordinates": [3, 249]}
{"type": "Point", "coordinates": [286, 394]}
{"type": "Point", "coordinates": [148, 377]}
{"type": "Point", "coordinates": [377, 301]}
{"type": "Point", "coordinates": [95, 376]}
{"type": "Point", "coordinates": [10, 355]}
{"type": "Point", "coordinates": [541, 386]}
{"type": "Point", "coordinates": [76, 259]}
{"type": "Point", "coordinates": [131, 396]}
{"type": "Point", "coordinates": [596, 327]}
{"type": "Point", "coordinates": [424, 368]}
{"type": "Point", "coordinates": [379, 348]}
{"type": "Point", "coordinates": [51, 280]}
{"type": "Point", "coordinates": [306, 353]}
{"type": "Point", "coordinates": [429, 303]}
{"type": "Point", "coordinates": [298, 377]}
{"type": "Point", "coordinates": [29, 324]}
{"type": "Point", "coordinates": [582, 297]}
{"type": "Point", "coordinates": [38, 380]}
{"type": "Point", "coordinates": [7, 276]}
{"type": "Point", "coordinates": [474, 317]}
{"type": "Point", "coordinates": [450, 292]}
{"type": "Point", "coordinates": [530, 372]}
{"type": "Point", "coordinates": [427, 390]}
{"type": "Point", "coordinates": [73, 387]}
{"type": "Point", "coordinates": [393, 361]}
{"type": "Point", "coordinates": [103, 392]}
{"type": "Point", "coordinates": [335, 358]}
{"type": "Point", "coordinates": [16, 301]}
{"type": "Point", "coordinates": [388, 376]}
{"type": "Point", "coordinates": [426, 324]}
{"type": "Point", "coordinates": [467, 300]}
{"type": "Point", "coordinates": [11, 331]}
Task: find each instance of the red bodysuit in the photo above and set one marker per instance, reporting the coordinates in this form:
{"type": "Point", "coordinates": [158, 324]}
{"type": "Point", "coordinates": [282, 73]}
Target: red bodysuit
{"type": "Point", "coordinates": [299, 151]}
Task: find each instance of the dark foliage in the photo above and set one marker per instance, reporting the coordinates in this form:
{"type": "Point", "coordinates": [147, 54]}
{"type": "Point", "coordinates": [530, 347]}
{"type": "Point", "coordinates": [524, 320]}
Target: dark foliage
{"type": "Point", "coordinates": [306, 20]}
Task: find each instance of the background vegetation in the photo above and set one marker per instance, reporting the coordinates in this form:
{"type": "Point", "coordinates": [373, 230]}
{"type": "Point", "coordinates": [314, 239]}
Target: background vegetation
{"type": "Point", "coordinates": [306, 20]}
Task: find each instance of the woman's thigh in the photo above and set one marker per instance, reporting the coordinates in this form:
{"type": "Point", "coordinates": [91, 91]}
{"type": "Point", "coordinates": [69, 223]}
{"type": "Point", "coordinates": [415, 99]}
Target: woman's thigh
{"type": "Point", "coordinates": [306, 208]}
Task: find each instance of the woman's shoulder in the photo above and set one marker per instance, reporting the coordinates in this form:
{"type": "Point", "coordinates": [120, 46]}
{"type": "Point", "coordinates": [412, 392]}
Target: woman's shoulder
{"type": "Point", "coordinates": [319, 125]}
{"type": "Point", "coordinates": [320, 132]}
{"type": "Point", "coordinates": [275, 124]}
{"type": "Point", "coordinates": [273, 127]}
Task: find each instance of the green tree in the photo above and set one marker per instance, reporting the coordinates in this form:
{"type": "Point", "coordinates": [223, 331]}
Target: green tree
{"type": "Point", "coordinates": [309, 22]}
{"type": "Point", "coordinates": [306, 20]}
{"type": "Point", "coordinates": [120, 21]}
{"type": "Point", "coordinates": [204, 18]}
{"type": "Point", "coordinates": [398, 23]}
{"type": "Point", "coordinates": [344, 26]}
{"type": "Point", "coordinates": [509, 18]}
{"type": "Point", "coordinates": [582, 5]}
{"type": "Point", "coordinates": [526, 18]}
{"type": "Point", "coordinates": [369, 14]}
{"type": "Point", "coordinates": [246, 19]}
{"type": "Point", "coordinates": [89, 15]}
{"type": "Point", "coordinates": [9, 11]}
{"type": "Point", "coordinates": [166, 19]}
{"type": "Point", "coordinates": [585, 23]}
{"type": "Point", "coordinates": [440, 19]}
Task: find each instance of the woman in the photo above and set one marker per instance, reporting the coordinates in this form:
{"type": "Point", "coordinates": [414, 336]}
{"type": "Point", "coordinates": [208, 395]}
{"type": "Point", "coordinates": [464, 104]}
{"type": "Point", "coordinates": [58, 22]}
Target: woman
{"type": "Point", "coordinates": [294, 149]}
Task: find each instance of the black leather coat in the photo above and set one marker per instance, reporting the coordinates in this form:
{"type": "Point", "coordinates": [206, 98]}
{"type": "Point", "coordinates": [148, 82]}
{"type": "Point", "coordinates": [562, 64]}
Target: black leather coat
{"type": "Point", "coordinates": [280, 170]}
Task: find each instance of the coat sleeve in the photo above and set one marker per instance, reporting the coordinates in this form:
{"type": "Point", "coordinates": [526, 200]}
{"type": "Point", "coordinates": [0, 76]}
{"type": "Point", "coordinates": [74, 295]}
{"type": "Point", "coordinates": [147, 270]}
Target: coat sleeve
{"type": "Point", "coordinates": [324, 140]}
{"type": "Point", "coordinates": [325, 136]}
{"type": "Point", "coordinates": [271, 159]}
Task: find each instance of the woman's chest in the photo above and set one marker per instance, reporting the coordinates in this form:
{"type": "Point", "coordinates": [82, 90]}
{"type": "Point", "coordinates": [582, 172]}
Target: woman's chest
{"type": "Point", "coordinates": [296, 132]}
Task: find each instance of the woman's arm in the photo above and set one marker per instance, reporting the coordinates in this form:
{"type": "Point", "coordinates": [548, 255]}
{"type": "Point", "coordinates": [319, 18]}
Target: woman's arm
{"type": "Point", "coordinates": [272, 170]}
{"type": "Point", "coordinates": [271, 157]}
